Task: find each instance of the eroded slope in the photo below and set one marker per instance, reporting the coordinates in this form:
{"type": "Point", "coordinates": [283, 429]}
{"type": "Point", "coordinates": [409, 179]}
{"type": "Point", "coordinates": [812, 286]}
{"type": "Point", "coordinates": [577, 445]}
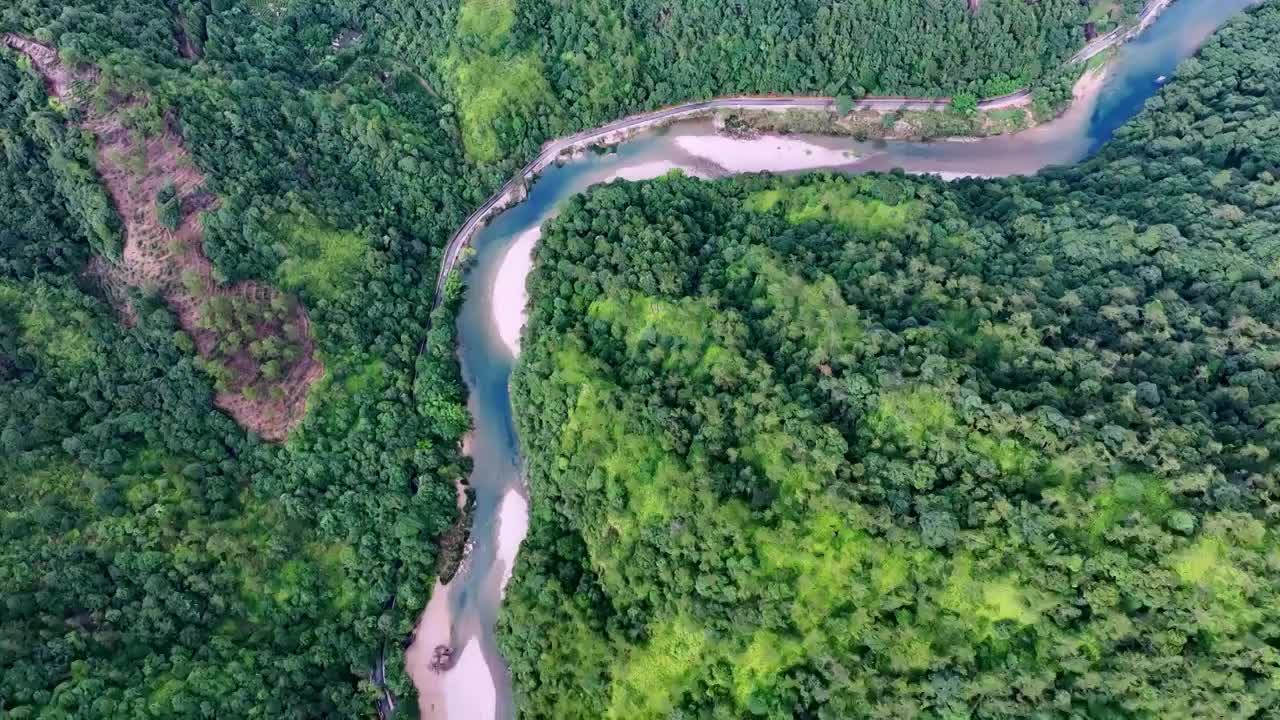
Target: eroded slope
{"type": "Point", "coordinates": [254, 340]}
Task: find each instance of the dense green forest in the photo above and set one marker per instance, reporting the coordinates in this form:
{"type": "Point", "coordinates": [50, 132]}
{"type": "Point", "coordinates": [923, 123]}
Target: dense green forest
{"type": "Point", "coordinates": [512, 74]}
{"type": "Point", "coordinates": [160, 561]}
{"type": "Point", "coordinates": [520, 72]}
{"type": "Point", "coordinates": [829, 447]}
{"type": "Point", "coordinates": [157, 560]}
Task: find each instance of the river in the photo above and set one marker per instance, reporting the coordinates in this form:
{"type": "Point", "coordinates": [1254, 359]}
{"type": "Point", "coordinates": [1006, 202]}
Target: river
{"type": "Point", "coordinates": [463, 613]}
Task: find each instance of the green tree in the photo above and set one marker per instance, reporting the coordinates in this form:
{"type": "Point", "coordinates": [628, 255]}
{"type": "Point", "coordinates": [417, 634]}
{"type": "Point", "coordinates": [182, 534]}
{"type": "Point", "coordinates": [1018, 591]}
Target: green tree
{"type": "Point", "coordinates": [169, 207]}
{"type": "Point", "coordinates": [965, 104]}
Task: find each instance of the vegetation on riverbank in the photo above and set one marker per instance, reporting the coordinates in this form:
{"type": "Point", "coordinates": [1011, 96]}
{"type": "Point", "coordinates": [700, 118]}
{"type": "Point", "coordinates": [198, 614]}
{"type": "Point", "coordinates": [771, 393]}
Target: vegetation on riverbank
{"type": "Point", "coordinates": [590, 61]}
{"type": "Point", "coordinates": [839, 447]}
{"type": "Point", "coordinates": [1051, 96]}
{"type": "Point", "coordinates": [876, 125]}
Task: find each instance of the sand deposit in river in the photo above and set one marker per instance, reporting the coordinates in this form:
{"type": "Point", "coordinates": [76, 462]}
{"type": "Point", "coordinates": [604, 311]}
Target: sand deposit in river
{"type": "Point", "coordinates": [513, 525]}
{"type": "Point", "coordinates": [649, 170]}
{"type": "Point", "coordinates": [767, 152]}
{"type": "Point", "coordinates": [435, 628]}
{"type": "Point", "coordinates": [469, 687]}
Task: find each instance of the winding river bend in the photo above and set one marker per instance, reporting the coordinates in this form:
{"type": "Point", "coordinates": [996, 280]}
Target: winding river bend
{"type": "Point", "coordinates": [463, 613]}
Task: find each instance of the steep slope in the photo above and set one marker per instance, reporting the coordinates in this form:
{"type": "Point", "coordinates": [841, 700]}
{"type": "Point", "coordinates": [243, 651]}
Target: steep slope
{"type": "Point", "coordinates": [255, 340]}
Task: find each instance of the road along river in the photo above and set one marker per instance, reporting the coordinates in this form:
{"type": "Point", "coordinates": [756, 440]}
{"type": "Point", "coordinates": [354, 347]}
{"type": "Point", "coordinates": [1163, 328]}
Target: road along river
{"type": "Point", "coordinates": [624, 129]}
{"type": "Point", "coordinates": [462, 614]}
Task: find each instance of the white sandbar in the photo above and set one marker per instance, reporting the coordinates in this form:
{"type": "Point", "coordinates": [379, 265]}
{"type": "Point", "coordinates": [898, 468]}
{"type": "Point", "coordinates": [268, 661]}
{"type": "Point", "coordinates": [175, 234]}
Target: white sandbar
{"type": "Point", "coordinates": [647, 171]}
{"type": "Point", "coordinates": [949, 176]}
{"type": "Point", "coordinates": [468, 686]}
{"type": "Point", "coordinates": [509, 293]}
{"type": "Point", "coordinates": [434, 629]}
{"type": "Point", "coordinates": [513, 525]}
{"type": "Point", "coordinates": [767, 152]}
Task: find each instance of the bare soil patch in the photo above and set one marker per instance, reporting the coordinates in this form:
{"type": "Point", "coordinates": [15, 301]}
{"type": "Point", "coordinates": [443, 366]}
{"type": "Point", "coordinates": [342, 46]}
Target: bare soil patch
{"type": "Point", "coordinates": [183, 41]}
{"type": "Point", "coordinates": [171, 262]}
{"type": "Point", "coordinates": [58, 78]}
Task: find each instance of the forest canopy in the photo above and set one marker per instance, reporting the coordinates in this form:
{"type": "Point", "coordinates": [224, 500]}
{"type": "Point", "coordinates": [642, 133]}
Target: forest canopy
{"type": "Point", "coordinates": [158, 559]}
{"type": "Point", "coordinates": [831, 447]}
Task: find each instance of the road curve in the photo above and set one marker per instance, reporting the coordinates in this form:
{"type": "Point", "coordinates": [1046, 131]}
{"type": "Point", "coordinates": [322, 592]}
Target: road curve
{"type": "Point", "coordinates": [510, 192]}
{"type": "Point", "coordinates": [1124, 33]}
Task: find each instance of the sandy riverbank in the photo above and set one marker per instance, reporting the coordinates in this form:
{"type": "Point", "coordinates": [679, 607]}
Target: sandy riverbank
{"type": "Point", "coordinates": [466, 690]}
{"type": "Point", "coordinates": [650, 170]}
{"type": "Point", "coordinates": [1088, 87]}
{"type": "Point", "coordinates": [774, 153]}
{"type": "Point", "coordinates": [468, 687]}
{"type": "Point", "coordinates": [513, 526]}
{"type": "Point", "coordinates": [949, 176]}
{"type": "Point", "coordinates": [435, 628]}
{"type": "Point", "coordinates": [510, 296]}
{"type": "Point", "coordinates": [1085, 95]}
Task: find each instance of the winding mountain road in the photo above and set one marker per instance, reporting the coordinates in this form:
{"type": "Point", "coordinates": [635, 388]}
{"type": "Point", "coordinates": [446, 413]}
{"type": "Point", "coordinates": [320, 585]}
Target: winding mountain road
{"type": "Point", "coordinates": [511, 192]}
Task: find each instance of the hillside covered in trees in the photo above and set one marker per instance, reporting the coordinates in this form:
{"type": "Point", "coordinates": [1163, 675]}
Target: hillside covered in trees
{"type": "Point", "coordinates": [543, 69]}
{"type": "Point", "coordinates": [510, 74]}
{"type": "Point", "coordinates": [829, 447]}
{"type": "Point", "coordinates": [519, 72]}
{"type": "Point", "coordinates": [158, 560]}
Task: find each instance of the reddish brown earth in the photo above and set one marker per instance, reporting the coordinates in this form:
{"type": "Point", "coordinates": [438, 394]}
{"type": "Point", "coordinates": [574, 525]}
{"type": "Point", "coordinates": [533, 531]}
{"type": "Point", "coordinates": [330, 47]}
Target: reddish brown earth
{"type": "Point", "coordinates": [183, 40]}
{"type": "Point", "coordinates": [172, 263]}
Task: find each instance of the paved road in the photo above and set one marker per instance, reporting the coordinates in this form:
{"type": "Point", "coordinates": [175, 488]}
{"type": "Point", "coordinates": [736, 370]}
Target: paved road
{"type": "Point", "coordinates": [1120, 34]}
{"type": "Point", "coordinates": [1097, 45]}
